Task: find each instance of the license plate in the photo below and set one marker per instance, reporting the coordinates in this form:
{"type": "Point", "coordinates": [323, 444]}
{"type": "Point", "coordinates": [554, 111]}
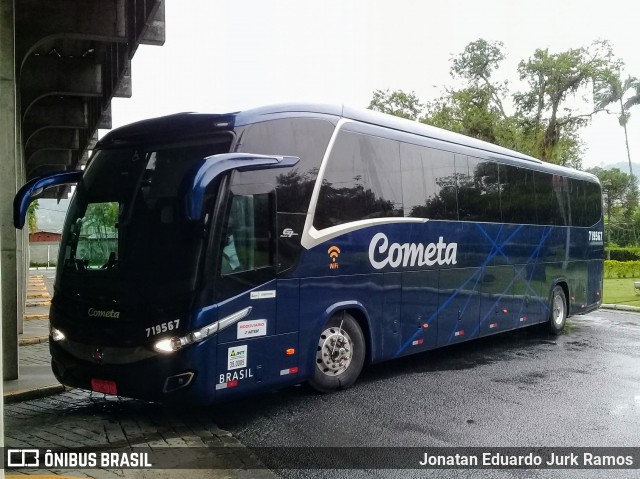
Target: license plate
{"type": "Point", "coordinates": [104, 386]}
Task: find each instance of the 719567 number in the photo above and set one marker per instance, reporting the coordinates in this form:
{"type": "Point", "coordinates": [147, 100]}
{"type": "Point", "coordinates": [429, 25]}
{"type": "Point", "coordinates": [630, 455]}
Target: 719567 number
{"type": "Point", "coordinates": [163, 327]}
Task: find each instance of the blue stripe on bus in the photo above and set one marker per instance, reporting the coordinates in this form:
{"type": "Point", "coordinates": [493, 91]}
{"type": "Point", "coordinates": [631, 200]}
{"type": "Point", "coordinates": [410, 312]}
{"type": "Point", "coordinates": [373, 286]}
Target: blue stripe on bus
{"type": "Point", "coordinates": [496, 248]}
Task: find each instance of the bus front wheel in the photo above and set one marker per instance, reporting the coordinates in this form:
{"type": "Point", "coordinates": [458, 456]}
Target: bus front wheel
{"type": "Point", "coordinates": [558, 316]}
{"type": "Point", "coordinates": [340, 354]}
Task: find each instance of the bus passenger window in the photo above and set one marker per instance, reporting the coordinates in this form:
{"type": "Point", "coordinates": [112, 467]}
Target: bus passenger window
{"type": "Point", "coordinates": [364, 173]}
{"type": "Point", "coordinates": [429, 183]}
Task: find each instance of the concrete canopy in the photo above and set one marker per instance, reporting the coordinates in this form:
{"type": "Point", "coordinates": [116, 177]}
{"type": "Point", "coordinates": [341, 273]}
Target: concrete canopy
{"type": "Point", "coordinates": [72, 57]}
{"type": "Point", "coordinates": [61, 63]}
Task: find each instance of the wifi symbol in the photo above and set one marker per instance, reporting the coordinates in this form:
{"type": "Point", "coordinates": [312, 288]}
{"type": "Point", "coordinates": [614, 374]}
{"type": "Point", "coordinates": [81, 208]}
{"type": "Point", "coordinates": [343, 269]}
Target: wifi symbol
{"type": "Point", "coordinates": [334, 251]}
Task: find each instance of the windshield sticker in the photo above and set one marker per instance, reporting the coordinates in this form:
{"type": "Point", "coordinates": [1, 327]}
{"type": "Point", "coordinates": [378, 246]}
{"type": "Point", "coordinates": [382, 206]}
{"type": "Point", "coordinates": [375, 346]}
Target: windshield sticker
{"type": "Point", "coordinates": [237, 357]}
{"type": "Point", "coordinates": [252, 329]}
{"type": "Point", "coordinates": [288, 233]}
{"type": "Point", "coordinates": [263, 294]}
{"type": "Point", "coordinates": [381, 254]}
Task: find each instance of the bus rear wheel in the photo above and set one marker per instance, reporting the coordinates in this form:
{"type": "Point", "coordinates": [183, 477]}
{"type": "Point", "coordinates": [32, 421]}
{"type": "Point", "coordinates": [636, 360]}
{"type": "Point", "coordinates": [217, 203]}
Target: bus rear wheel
{"type": "Point", "coordinates": [340, 354]}
{"type": "Point", "coordinates": [558, 315]}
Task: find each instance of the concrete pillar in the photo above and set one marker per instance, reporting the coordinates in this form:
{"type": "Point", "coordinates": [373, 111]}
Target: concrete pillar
{"type": "Point", "coordinates": [22, 236]}
{"type": "Point", "coordinates": [8, 177]}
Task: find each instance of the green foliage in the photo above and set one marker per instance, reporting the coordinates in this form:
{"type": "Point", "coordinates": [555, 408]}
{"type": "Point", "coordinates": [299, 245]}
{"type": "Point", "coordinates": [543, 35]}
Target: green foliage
{"type": "Point", "coordinates": [468, 111]}
{"type": "Point", "coordinates": [98, 233]}
{"type": "Point", "coordinates": [477, 63]}
{"type": "Point", "coordinates": [615, 91]}
{"type": "Point", "coordinates": [552, 79]}
{"type": "Point", "coordinates": [546, 118]}
{"type": "Point", "coordinates": [545, 123]}
{"type": "Point", "coordinates": [619, 189]}
{"type": "Point", "coordinates": [397, 103]}
{"type": "Point", "coordinates": [621, 269]}
{"type": "Point", "coordinates": [623, 254]}
{"type": "Point", "coordinates": [620, 195]}
{"type": "Point", "coordinates": [101, 218]}
{"type": "Point", "coordinates": [32, 220]}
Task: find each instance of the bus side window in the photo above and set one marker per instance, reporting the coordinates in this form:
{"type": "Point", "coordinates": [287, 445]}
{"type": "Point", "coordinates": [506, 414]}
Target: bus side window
{"type": "Point", "coordinates": [517, 195]}
{"type": "Point", "coordinates": [593, 203]}
{"type": "Point", "coordinates": [429, 183]}
{"type": "Point", "coordinates": [364, 173]}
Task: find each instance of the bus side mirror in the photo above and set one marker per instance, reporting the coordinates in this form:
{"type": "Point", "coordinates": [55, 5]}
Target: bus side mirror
{"type": "Point", "coordinates": [214, 166]}
{"type": "Point", "coordinates": [33, 188]}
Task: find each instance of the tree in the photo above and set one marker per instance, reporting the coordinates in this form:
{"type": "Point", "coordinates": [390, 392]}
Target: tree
{"type": "Point", "coordinates": [552, 79]}
{"type": "Point", "coordinates": [615, 91]}
{"type": "Point", "coordinates": [477, 63]}
{"type": "Point", "coordinates": [547, 116]}
{"type": "Point", "coordinates": [99, 230]}
{"type": "Point", "coordinates": [397, 103]}
{"type": "Point", "coordinates": [469, 111]}
{"type": "Point", "coordinates": [620, 192]}
{"type": "Point", "coordinates": [32, 220]}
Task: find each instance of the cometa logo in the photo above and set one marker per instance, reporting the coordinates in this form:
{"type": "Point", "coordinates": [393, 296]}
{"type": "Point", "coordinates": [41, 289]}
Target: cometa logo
{"type": "Point", "coordinates": [382, 254]}
{"type": "Point", "coordinates": [97, 313]}
{"type": "Point", "coordinates": [334, 251]}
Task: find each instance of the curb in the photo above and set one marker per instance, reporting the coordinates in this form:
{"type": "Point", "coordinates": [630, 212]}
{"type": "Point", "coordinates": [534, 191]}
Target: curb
{"type": "Point", "coordinates": [33, 340]}
{"type": "Point", "coordinates": [29, 394]}
{"type": "Point", "coordinates": [621, 307]}
{"type": "Point", "coordinates": [35, 304]}
{"type": "Point", "coordinates": [38, 295]}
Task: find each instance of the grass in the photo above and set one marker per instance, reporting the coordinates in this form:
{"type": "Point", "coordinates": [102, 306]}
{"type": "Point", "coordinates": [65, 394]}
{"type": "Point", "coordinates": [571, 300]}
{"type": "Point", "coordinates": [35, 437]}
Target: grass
{"type": "Point", "coordinates": [621, 291]}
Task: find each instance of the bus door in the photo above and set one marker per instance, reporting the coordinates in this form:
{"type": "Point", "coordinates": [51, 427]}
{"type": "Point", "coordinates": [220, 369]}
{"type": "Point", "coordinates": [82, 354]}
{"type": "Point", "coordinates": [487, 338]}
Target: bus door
{"type": "Point", "coordinates": [250, 352]}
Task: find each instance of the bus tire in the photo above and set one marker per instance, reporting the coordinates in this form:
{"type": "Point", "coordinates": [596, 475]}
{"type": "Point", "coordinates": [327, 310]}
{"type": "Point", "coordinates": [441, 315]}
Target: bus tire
{"type": "Point", "coordinates": [340, 354]}
{"type": "Point", "coordinates": [558, 314]}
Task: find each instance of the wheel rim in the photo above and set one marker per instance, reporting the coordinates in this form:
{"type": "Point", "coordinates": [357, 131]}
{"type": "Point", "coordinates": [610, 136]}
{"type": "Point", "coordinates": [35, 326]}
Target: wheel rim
{"type": "Point", "coordinates": [558, 309]}
{"type": "Point", "coordinates": [334, 351]}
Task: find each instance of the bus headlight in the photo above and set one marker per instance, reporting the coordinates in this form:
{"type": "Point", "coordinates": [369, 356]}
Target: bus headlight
{"type": "Point", "coordinates": [169, 345]}
{"type": "Point", "coordinates": [56, 334]}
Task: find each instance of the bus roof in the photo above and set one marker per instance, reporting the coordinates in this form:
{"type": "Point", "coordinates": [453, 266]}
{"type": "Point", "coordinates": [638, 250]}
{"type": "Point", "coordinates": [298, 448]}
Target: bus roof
{"type": "Point", "coordinates": [186, 125]}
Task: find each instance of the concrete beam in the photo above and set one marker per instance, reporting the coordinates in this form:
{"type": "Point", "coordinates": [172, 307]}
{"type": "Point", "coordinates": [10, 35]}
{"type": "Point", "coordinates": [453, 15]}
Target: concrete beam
{"type": "Point", "coordinates": [50, 157]}
{"type": "Point", "coordinates": [45, 170]}
{"type": "Point", "coordinates": [105, 119]}
{"type": "Point", "coordinates": [91, 144]}
{"type": "Point", "coordinates": [48, 76]}
{"type": "Point", "coordinates": [154, 35]}
{"type": "Point", "coordinates": [52, 138]}
{"type": "Point", "coordinates": [38, 22]}
{"type": "Point", "coordinates": [55, 112]}
{"type": "Point", "coordinates": [124, 90]}
{"type": "Point", "coordinates": [139, 12]}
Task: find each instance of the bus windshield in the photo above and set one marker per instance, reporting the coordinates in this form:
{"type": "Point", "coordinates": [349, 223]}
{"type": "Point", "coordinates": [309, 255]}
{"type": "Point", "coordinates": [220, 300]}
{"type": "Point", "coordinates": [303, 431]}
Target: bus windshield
{"type": "Point", "coordinates": [126, 227]}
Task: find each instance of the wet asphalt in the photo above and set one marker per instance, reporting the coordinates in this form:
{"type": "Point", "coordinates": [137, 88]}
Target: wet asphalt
{"type": "Point", "coordinates": [524, 388]}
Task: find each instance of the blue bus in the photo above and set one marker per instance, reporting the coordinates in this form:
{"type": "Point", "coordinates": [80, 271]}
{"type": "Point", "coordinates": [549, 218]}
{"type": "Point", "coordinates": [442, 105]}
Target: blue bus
{"type": "Point", "coordinates": [208, 256]}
